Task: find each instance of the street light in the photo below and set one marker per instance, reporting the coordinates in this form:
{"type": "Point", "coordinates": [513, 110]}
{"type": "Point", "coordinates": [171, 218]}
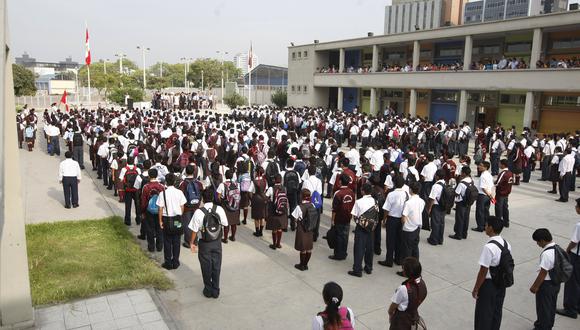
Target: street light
{"type": "Point", "coordinates": [121, 56]}
{"type": "Point", "coordinates": [105, 66]}
{"type": "Point", "coordinates": [186, 71]}
{"type": "Point", "coordinates": [222, 53]}
{"type": "Point", "coordinates": [143, 49]}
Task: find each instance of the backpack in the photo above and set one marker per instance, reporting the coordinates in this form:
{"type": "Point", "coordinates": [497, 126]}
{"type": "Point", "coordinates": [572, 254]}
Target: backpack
{"type": "Point", "coordinates": [291, 181]}
{"type": "Point", "coordinates": [563, 267]}
{"type": "Point", "coordinates": [309, 217]}
{"type": "Point", "coordinates": [199, 149]}
{"type": "Point", "coordinates": [129, 179]}
{"type": "Point", "coordinates": [271, 171]}
{"type": "Point", "coordinates": [132, 150]}
{"type": "Point", "coordinates": [316, 199]}
{"type": "Point", "coordinates": [447, 198]}
{"type": "Point", "coordinates": [345, 321]}
{"type": "Point", "coordinates": [152, 204]}
{"type": "Point", "coordinates": [29, 132]}
{"type": "Point", "coordinates": [410, 177]}
{"type": "Point", "coordinates": [470, 193]}
{"type": "Point", "coordinates": [478, 156]}
{"type": "Point", "coordinates": [300, 167]}
{"type": "Point", "coordinates": [192, 193]}
{"type": "Point", "coordinates": [280, 201]}
{"type": "Point", "coordinates": [232, 196]}
{"type": "Point", "coordinates": [502, 275]}
{"type": "Point", "coordinates": [245, 182]}
{"type": "Point", "coordinates": [212, 228]}
{"type": "Point", "coordinates": [77, 140]}
{"type": "Point", "coordinates": [140, 158]}
{"type": "Point", "coordinates": [369, 219]}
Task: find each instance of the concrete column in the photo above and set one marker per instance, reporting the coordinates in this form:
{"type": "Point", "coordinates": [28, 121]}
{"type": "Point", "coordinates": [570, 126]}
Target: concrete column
{"type": "Point", "coordinates": [375, 65]}
{"type": "Point", "coordinates": [341, 60]}
{"type": "Point", "coordinates": [467, 52]}
{"type": "Point", "coordinates": [536, 48]}
{"type": "Point", "coordinates": [413, 103]}
{"type": "Point", "coordinates": [373, 107]}
{"type": "Point", "coordinates": [529, 109]}
{"type": "Point", "coordinates": [15, 301]}
{"type": "Point", "coordinates": [340, 98]}
{"type": "Point", "coordinates": [462, 115]}
{"type": "Point", "coordinates": [416, 54]}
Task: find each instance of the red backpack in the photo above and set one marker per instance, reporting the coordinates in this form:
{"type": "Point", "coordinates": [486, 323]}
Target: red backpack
{"type": "Point", "coordinates": [345, 323]}
{"type": "Point", "coordinates": [130, 177]}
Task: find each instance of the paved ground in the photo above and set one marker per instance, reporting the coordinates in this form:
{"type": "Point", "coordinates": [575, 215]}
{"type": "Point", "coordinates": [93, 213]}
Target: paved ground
{"type": "Point", "coordinates": [261, 288]}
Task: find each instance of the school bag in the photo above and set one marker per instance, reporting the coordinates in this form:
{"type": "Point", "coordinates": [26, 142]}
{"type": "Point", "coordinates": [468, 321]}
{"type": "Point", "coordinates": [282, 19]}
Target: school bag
{"type": "Point", "coordinates": [152, 207]}
{"type": "Point", "coordinates": [309, 217]}
{"type": "Point", "coordinates": [471, 193]}
{"type": "Point", "coordinates": [300, 167]}
{"type": "Point", "coordinates": [478, 156]}
{"type": "Point", "coordinates": [280, 201]}
{"type": "Point", "coordinates": [192, 193]}
{"type": "Point", "coordinates": [291, 181]}
{"type": "Point", "coordinates": [77, 140]}
{"type": "Point", "coordinates": [232, 198]}
{"type": "Point", "coordinates": [212, 228]}
{"type": "Point", "coordinates": [132, 150]}
{"type": "Point", "coordinates": [271, 171]}
{"type": "Point", "coordinates": [316, 200]}
{"type": "Point", "coordinates": [563, 267]}
{"type": "Point", "coordinates": [131, 175]}
{"type": "Point", "coordinates": [447, 197]}
{"type": "Point", "coordinates": [345, 319]}
{"type": "Point", "coordinates": [245, 182]}
{"type": "Point", "coordinates": [502, 275]}
{"type": "Point", "coordinates": [369, 219]}
{"type": "Point", "coordinates": [171, 225]}
{"type": "Point", "coordinates": [29, 132]}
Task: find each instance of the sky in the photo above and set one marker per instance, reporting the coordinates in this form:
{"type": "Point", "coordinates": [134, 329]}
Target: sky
{"type": "Point", "coordinates": [50, 30]}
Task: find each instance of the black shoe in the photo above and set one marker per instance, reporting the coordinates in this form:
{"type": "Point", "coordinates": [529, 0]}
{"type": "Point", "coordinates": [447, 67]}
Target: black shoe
{"type": "Point", "coordinates": [333, 257]}
{"type": "Point", "coordinates": [477, 229]}
{"type": "Point", "coordinates": [272, 246]}
{"type": "Point", "coordinates": [552, 192]}
{"type": "Point", "coordinates": [378, 252]}
{"type": "Point", "coordinates": [82, 167]}
{"type": "Point", "coordinates": [67, 206]}
{"type": "Point", "coordinates": [384, 263]}
{"type": "Point", "coordinates": [353, 273]}
{"type": "Point", "coordinates": [127, 224]}
{"type": "Point", "coordinates": [225, 241]}
{"type": "Point", "coordinates": [232, 238]}
{"type": "Point", "coordinates": [159, 248]}
{"type": "Point", "coordinates": [507, 225]}
{"type": "Point", "coordinates": [138, 222]}
{"type": "Point", "coordinates": [431, 242]}
{"type": "Point", "coordinates": [142, 237]}
{"type": "Point", "coordinates": [368, 271]}
{"type": "Point", "coordinates": [99, 178]}
{"type": "Point", "coordinates": [150, 249]}
{"type": "Point", "coordinates": [176, 265]}
{"type": "Point", "coordinates": [401, 274]}
{"type": "Point", "coordinates": [185, 245]}
{"type": "Point", "coordinates": [244, 222]}
{"type": "Point", "coordinates": [426, 228]}
{"type": "Point", "coordinates": [75, 205]}
{"type": "Point", "coordinates": [110, 188]}
{"type": "Point", "coordinates": [167, 266]}
{"type": "Point", "coordinates": [455, 237]}
{"type": "Point", "coordinates": [257, 234]}
{"type": "Point", "coordinates": [566, 313]}
{"type": "Point", "coordinates": [561, 200]}
{"type": "Point", "coordinates": [286, 230]}
{"type": "Point", "coordinates": [207, 294]}
{"type": "Point", "coordinates": [300, 267]}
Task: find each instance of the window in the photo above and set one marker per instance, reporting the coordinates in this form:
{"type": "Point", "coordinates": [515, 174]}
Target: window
{"type": "Point", "coordinates": [305, 89]}
{"type": "Point", "coordinates": [366, 93]}
{"type": "Point", "coordinates": [293, 89]}
{"type": "Point", "coordinates": [298, 88]}
{"type": "Point", "coordinates": [299, 54]}
{"type": "Point", "coordinates": [392, 93]}
{"type": "Point", "coordinates": [513, 99]}
{"type": "Point", "coordinates": [422, 95]}
{"type": "Point", "coordinates": [519, 47]}
{"type": "Point", "coordinates": [563, 101]}
{"type": "Point", "coordinates": [425, 54]}
{"type": "Point", "coordinates": [450, 52]}
{"type": "Point", "coordinates": [444, 96]}
{"type": "Point", "coordinates": [293, 56]}
{"type": "Point", "coordinates": [566, 43]}
{"type": "Point", "coordinates": [305, 53]}
{"type": "Point", "coordinates": [368, 57]}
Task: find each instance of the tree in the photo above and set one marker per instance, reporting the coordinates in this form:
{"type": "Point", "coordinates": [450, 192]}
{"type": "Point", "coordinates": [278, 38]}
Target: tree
{"type": "Point", "coordinates": [280, 98]}
{"type": "Point", "coordinates": [173, 75]}
{"type": "Point", "coordinates": [235, 100]}
{"type": "Point", "coordinates": [117, 94]}
{"type": "Point", "coordinates": [212, 72]}
{"type": "Point", "coordinates": [23, 81]}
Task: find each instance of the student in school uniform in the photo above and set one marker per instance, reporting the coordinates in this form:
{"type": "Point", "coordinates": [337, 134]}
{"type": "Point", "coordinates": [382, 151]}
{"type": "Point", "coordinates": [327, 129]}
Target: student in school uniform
{"type": "Point", "coordinates": [393, 206]}
{"type": "Point", "coordinates": [153, 233]}
{"type": "Point", "coordinates": [171, 205]}
{"type": "Point", "coordinates": [191, 205]}
{"type": "Point", "coordinates": [342, 204]}
{"type": "Point", "coordinates": [276, 222]}
{"type": "Point", "coordinates": [304, 213]}
{"type": "Point", "coordinates": [489, 297]}
{"type": "Point", "coordinates": [485, 194]}
{"type": "Point", "coordinates": [363, 240]}
{"type": "Point", "coordinates": [403, 311]}
{"type": "Point", "coordinates": [503, 188]}
{"type": "Point", "coordinates": [334, 316]}
{"type": "Point", "coordinates": [412, 220]}
{"type": "Point", "coordinates": [259, 201]}
{"type": "Point", "coordinates": [436, 212]}
{"type": "Point", "coordinates": [69, 174]}
{"type": "Point", "coordinates": [544, 288]}
{"type": "Point", "coordinates": [230, 186]}
{"type": "Point", "coordinates": [572, 286]}
{"type": "Point", "coordinates": [462, 209]}
{"type": "Point", "coordinates": [127, 176]}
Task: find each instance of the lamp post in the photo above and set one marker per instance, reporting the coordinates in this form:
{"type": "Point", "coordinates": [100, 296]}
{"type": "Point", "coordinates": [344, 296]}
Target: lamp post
{"type": "Point", "coordinates": [105, 66]}
{"type": "Point", "coordinates": [185, 71]}
{"type": "Point", "coordinates": [202, 80]}
{"type": "Point", "coordinates": [143, 49]}
{"type": "Point", "coordinates": [120, 56]}
{"type": "Point", "coordinates": [222, 53]}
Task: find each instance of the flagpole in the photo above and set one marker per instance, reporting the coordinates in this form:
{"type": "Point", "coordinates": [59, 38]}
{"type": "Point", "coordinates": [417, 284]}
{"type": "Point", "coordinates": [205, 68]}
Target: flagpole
{"type": "Point", "coordinates": [89, 79]}
{"type": "Point", "coordinates": [250, 86]}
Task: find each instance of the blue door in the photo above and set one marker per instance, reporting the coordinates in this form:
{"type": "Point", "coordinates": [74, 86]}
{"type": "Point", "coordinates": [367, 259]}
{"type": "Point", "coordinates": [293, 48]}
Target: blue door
{"type": "Point", "coordinates": [350, 99]}
{"type": "Point", "coordinates": [445, 111]}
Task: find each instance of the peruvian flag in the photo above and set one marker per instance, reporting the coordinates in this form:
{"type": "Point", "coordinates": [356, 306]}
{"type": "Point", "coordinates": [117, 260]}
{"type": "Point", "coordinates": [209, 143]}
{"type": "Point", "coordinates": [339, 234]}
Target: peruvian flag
{"type": "Point", "coordinates": [63, 99]}
{"type": "Point", "coordinates": [250, 57]}
{"type": "Point", "coordinates": [88, 49]}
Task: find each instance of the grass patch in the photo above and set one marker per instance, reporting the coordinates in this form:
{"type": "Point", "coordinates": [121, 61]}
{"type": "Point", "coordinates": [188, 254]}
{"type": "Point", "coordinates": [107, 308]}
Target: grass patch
{"type": "Point", "coordinates": [77, 259]}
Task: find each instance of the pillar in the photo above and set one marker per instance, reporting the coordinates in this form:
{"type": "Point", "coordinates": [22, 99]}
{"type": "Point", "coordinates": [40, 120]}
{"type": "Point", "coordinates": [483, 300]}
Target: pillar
{"type": "Point", "coordinates": [413, 103]}
{"type": "Point", "coordinates": [529, 109]}
{"type": "Point", "coordinates": [341, 60]}
{"type": "Point", "coordinates": [416, 54]}
{"type": "Point", "coordinates": [340, 99]}
{"type": "Point", "coordinates": [462, 115]}
{"type": "Point", "coordinates": [536, 48]}
{"type": "Point", "coordinates": [373, 107]}
{"type": "Point", "coordinates": [15, 300]}
{"type": "Point", "coordinates": [467, 53]}
{"type": "Point", "coordinates": [375, 65]}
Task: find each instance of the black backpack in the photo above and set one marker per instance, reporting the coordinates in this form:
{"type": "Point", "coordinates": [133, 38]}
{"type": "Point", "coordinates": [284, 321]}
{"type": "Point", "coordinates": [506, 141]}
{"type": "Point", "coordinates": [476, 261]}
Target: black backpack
{"type": "Point", "coordinates": [212, 227]}
{"type": "Point", "coordinates": [77, 140]}
{"type": "Point", "coordinates": [291, 181]}
{"type": "Point", "coordinates": [271, 172]}
{"type": "Point", "coordinates": [563, 267]}
{"type": "Point", "coordinates": [470, 193]}
{"type": "Point", "coordinates": [309, 217]}
{"type": "Point", "coordinates": [502, 275]}
{"type": "Point", "coordinates": [447, 197]}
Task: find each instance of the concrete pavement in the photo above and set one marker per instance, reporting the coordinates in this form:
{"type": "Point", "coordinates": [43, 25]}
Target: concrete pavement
{"type": "Point", "coordinates": [261, 288]}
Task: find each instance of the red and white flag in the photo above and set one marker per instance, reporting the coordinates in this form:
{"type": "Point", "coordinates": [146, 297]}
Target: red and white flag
{"type": "Point", "coordinates": [250, 57]}
{"type": "Point", "coordinates": [88, 49]}
{"type": "Point", "coordinates": [63, 100]}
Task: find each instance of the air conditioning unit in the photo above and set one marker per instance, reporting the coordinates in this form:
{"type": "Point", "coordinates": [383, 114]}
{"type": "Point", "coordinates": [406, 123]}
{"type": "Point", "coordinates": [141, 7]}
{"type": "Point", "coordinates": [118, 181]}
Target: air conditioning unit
{"type": "Point", "coordinates": [370, 34]}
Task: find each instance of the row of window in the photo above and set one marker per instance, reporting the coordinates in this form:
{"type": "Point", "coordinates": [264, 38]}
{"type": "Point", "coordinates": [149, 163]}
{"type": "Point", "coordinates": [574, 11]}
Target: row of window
{"type": "Point", "coordinates": [299, 55]}
{"type": "Point", "coordinates": [299, 89]}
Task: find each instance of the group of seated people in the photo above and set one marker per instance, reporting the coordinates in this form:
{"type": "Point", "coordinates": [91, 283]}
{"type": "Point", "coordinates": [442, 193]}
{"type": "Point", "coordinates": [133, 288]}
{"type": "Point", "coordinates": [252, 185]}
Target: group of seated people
{"type": "Point", "coordinates": [563, 63]}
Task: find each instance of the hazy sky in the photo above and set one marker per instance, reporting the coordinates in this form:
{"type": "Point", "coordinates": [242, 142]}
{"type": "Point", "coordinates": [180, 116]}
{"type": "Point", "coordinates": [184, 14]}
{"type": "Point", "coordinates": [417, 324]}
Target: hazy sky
{"type": "Point", "coordinates": [51, 30]}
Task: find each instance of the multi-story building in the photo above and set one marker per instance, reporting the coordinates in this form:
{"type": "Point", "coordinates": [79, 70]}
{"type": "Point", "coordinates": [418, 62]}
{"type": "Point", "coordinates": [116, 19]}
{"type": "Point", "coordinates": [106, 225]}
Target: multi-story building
{"type": "Point", "coordinates": [411, 15]}
{"type": "Point", "coordinates": [46, 68]}
{"type": "Point", "coordinates": [330, 74]}
{"type": "Point", "coordinates": [241, 62]}
{"type": "Point", "coordinates": [495, 10]}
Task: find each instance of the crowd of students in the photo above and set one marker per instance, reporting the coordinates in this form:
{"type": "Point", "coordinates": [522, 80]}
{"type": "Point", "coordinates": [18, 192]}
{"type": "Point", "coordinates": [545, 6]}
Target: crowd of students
{"type": "Point", "coordinates": [199, 174]}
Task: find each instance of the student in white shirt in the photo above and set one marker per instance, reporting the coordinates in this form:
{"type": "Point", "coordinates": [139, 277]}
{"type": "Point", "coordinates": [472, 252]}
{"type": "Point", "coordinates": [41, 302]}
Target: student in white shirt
{"type": "Point", "coordinates": [436, 210]}
{"type": "Point", "coordinates": [69, 174]}
{"type": "Point", "coordinates": [394, 204]}
{"type": "Point", "coordinates": [363, 240]}
{"type": "Point", "coordinates": [333, 315]}
{"type": "Point", "coordinates": [572, 286]}
{"type": "Point", "coordinates": [462, 209]}
{"type": "Point", "coordinates": [171, 205]}
{"type": "Point", "coordinates": [485, 190]}
{"type": "Point", "coordinates": [408, 297]}
{"type": "Point", "coordinates": [544, 288]}
{"type": "Point", "coordinates": [412, 221]}
{"type": "Point", "coordinates": [313, 184]}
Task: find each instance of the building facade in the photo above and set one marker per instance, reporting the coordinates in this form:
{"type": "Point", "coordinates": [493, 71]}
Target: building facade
{"type": "Point", "coordinates": [412, 15]}
{"type": "Point", "coordinates": [545, 99]}
{"type": "Point", "coordinates": [496, 10]}
{"type": "Point", "coordinates": [241, 62]}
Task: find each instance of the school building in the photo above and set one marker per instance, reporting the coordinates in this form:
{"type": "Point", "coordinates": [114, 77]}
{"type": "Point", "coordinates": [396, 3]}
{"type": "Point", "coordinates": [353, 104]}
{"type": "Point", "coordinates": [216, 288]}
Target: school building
{"type": "Point", "coordinates": [544, 99]}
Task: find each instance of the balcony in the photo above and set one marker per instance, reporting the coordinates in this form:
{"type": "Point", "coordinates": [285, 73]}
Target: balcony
{"type": "Point", "coordinates": [564, 80]}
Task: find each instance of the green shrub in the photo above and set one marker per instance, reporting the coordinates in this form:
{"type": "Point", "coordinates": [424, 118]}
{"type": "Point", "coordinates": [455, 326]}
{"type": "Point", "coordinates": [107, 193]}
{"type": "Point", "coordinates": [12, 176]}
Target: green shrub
{"type": "Point", "coordinates": [235, 100]}
{"type": "Point", "coordinates": [280, 98]}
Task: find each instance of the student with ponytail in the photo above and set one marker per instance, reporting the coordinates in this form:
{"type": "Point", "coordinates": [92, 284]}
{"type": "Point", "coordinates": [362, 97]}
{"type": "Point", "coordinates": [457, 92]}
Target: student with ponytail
{"type": "Point", "coordinates": [403, 314]}
{"type": "Point", "coordinates": [334, 317]}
